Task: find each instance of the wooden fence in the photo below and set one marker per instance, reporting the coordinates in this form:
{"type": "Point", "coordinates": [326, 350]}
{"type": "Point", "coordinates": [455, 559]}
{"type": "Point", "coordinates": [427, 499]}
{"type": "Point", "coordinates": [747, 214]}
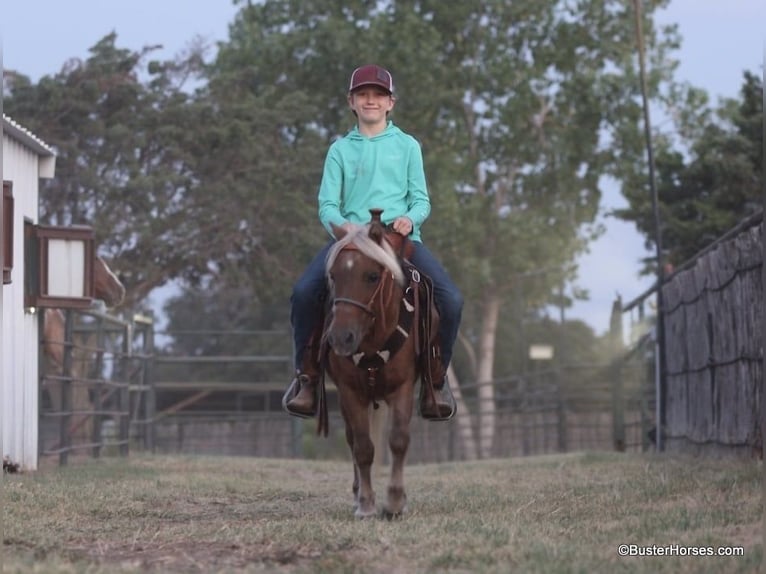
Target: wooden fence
{"type": "Point", "coordinates": [714, 348]}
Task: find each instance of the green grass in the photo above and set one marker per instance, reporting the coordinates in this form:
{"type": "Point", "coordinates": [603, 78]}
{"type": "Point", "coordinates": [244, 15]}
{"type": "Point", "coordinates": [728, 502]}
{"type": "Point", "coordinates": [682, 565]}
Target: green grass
{"type": "Point", "coordinates": [548, 514]}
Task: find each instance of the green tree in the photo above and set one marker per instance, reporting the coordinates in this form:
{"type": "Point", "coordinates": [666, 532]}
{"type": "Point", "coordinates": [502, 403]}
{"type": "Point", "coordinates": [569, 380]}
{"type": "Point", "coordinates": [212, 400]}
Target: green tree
{"type": "Point", "coordinates": [536, 99]}
{"type": "Point", "coordinates": [212, 186]}
{"type": "Point", "coordinates": [122, 159]}
{"type": "Point", "coordinates": [708, 179]}
{"type": "Point", "coordinates": [521, 108]}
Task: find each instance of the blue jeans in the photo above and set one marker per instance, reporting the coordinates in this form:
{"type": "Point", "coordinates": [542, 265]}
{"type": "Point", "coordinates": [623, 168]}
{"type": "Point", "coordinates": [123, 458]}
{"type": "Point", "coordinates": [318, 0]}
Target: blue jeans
{"type": "Point", "coordinates": [310, 292]}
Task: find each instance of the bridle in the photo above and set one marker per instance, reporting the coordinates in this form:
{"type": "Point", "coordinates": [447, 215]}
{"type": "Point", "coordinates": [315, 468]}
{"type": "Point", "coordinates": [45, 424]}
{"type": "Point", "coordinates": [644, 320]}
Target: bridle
{"type": "Point", "coordinates": [362, 306]}
{"type": "Point", "coordinates": [366, 307]}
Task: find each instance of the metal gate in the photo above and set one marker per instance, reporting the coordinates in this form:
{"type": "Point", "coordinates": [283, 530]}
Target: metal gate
{"type": "Point", "coordinates": [97, 402]}
{"type": "Point", "coordinates": [220, 392]}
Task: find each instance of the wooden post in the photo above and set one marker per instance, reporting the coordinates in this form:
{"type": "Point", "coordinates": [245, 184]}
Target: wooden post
{"type": "Point", "coordinates": [646, 444]}
{"type": "Point", "coordinates": [561, 415]}
{"type": "Point", "coordinates": [97, 419]}
{"type": "Point", "coordinates": [65, 437]}
{"type": "Point", "coordinates": [124, 394]}
{"type": "Point", "coordinates": [558, 360]}
{"type": "Point", "coordinates": [618, 397]}
{"type": "Point", "coordinates": [150, 405]}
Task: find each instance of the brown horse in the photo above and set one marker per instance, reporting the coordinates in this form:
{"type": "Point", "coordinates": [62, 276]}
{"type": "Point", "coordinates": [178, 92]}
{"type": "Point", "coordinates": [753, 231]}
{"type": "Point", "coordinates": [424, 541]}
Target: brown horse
{"type": "Point", "coordinates": [107, 288]}
{"type": "Point", "coordinates": [367, 290]}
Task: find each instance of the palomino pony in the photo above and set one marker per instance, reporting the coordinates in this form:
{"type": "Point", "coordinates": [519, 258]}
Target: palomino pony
{"type": "Point", "coordinates": [373, 356]}
{"type": "Point", "coordinates": [108, 288]}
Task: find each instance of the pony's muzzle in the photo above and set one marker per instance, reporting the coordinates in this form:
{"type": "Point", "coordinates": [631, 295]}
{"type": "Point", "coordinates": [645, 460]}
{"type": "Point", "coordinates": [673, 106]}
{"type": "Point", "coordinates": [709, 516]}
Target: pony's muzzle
{"type": "Point", "coordinates": [344, 341]}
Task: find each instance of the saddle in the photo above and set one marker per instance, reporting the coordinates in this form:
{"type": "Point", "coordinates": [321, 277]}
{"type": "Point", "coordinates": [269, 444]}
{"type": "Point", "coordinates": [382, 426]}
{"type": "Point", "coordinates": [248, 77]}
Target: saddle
{"type": "Point", "coordinates": [418, 318]}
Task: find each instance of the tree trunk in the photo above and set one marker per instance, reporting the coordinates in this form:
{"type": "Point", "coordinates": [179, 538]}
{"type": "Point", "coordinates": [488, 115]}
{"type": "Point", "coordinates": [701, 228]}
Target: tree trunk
{"type": "Point", "coordinates": [463, 419]}
{"type": "Point", "coordinates": [490, 314]}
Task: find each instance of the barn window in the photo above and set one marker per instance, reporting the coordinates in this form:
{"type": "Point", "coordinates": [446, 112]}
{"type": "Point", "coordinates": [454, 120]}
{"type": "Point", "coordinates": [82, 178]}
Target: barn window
{"type": "Point", "coordinates": [7, 231]}
{"type": "Point", "coordinates": [61, 266]}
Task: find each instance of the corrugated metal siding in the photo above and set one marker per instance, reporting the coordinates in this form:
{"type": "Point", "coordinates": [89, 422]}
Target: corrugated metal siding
{"type": "Point", "coordinates": [19, 376]}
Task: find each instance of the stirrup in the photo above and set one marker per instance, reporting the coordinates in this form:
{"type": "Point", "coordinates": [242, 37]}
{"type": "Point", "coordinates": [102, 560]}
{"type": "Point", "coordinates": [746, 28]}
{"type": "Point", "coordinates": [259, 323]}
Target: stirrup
{"type": "Point", "coordinates": [445, 390]}
{"type": "Point", "coordinates": [291, 392]}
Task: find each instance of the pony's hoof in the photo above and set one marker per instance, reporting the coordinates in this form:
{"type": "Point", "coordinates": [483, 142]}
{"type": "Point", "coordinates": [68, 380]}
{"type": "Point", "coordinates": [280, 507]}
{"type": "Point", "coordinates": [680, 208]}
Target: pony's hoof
{"type": "Point", "coordinates": [363, 515]}
{"type": "Point", "coordinates": [391, 515]}
{"type": "Point", "coordinates": [396, 503]}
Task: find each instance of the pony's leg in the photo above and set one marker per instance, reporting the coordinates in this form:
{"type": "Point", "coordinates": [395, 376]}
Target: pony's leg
{"type": "Point", "coordinates": [363, 451]}
{"type": "Point", "coordinates": [399, 441]}
{"type": "Point", "coordinates": [350, 441]}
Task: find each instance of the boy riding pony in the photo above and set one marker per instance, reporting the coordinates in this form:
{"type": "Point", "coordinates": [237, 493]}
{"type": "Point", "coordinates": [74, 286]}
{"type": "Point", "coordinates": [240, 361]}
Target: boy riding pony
{"type": "Point", "coordinates": [376, 165]}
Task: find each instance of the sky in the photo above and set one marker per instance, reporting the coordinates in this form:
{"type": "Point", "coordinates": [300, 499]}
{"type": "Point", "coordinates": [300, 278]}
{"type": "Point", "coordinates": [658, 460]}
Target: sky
{"type": "Point", "coordinates": [720, 40]}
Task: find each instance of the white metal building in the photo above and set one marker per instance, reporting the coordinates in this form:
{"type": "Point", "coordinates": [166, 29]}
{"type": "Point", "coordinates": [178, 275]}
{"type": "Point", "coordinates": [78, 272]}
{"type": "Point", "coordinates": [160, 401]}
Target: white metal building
{"type": "Point", "coordinates": [26, 159]}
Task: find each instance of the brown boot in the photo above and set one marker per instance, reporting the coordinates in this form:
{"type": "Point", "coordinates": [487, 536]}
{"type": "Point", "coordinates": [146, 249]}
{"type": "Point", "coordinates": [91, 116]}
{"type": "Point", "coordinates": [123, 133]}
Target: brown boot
{"type": "Point", "coordinates": [439, 406]}
{"type": "Point", "coordinates": [301, 397]}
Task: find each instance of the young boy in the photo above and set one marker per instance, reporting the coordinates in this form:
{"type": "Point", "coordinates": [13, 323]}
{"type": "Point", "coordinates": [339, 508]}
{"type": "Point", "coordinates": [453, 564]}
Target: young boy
{"type": "Point", "coordinates": [376, 165]}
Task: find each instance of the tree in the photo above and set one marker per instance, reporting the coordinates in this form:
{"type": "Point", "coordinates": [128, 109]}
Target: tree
{"type": "Point", "coordinates": [531, 93]}
{"type": "Point", "coordinates": [521, 108]}
{"type": "Point", "coordinates": [205, 186]}
{"type": "Point", "coordinates": [707, 181]}
{"type": "Point", "coordinates": [512, 102]}
{"type": "Point", "coordinates": [122, 165]}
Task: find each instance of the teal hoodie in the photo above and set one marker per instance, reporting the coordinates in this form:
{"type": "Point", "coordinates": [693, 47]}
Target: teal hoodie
{"type": "Point", "coordinates": [384, 171]}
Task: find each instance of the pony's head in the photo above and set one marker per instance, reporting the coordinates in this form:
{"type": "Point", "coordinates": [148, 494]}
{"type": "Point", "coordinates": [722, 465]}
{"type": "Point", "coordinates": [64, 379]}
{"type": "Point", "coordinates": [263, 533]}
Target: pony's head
{"type": "Point", "coordinates": [106, 285]}
{"type": "Point", "coordinates": [362, 272]}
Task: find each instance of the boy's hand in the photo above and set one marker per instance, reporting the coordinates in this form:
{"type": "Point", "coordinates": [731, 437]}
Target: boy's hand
{"type": "Point", "coordinates": [402, 225]}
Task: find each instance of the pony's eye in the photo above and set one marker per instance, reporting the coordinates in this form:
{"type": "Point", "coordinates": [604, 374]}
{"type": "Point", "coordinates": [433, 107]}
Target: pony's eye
{"type": "Point", "coordinates": [372, 277]}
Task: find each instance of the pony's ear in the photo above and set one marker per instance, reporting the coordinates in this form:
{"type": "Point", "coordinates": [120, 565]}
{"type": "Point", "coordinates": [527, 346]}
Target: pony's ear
{"type": "Point", "coordinates": [338, 231]}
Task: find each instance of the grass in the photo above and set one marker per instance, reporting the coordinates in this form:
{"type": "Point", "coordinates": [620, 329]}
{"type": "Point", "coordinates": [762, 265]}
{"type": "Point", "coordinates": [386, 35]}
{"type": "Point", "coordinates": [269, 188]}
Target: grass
{"type": "Point", "coordinates": [563, 513]}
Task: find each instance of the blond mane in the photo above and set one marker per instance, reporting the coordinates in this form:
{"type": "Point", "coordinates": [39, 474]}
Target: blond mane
{"type": "Point", "coordinates": [383, 253]}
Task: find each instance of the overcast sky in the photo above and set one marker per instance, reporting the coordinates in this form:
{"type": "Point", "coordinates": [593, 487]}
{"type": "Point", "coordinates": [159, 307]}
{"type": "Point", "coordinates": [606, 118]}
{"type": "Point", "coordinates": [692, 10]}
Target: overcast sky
{"type": "Point", "coordinates": [721, 39]}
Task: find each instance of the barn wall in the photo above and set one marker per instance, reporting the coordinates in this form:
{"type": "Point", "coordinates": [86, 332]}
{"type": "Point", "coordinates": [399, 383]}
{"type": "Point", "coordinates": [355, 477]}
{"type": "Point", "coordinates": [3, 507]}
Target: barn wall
{"type": "Point", "coordinates": [19, 376]}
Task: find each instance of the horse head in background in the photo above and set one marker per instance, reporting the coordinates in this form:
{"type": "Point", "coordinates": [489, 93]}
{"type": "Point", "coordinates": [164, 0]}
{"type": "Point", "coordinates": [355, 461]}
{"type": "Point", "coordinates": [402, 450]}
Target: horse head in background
{"type": "Point", "coordinates": [372, 353]}
{"type": "Point", "coordinates": [106, 287]}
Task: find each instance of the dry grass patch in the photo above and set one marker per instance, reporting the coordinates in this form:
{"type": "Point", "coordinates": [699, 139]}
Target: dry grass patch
{"type": "Point", "coordinates": [566, 513]}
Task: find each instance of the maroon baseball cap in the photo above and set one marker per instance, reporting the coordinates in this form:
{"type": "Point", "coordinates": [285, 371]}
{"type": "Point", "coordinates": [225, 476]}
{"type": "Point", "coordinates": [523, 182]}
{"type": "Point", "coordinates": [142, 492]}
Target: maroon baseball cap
{"type": "Point", "coordinates": [371, 75]}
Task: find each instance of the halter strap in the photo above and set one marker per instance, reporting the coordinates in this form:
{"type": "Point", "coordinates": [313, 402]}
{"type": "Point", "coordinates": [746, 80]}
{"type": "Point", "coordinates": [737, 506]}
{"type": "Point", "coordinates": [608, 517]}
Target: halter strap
{"type": "Point", "coordinates": [362, 306]}
{"type": "Point", "coordinates": [366, 307]}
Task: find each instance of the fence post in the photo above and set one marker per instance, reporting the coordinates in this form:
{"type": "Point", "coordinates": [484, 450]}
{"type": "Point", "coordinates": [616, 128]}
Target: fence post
{"type": "Point", "coordinates": [526, 448]}
{"type": "Point", "coordinates": [124, 400]}
{"type": "Point", "coordinates": [618, 407]}
{"type": "Point", "coordinates": [150, 398]}
{"type": "Point", "coordinates": [561, 415]}
{"type": "Point", "coordinates": [645, 410]}
{"type": "Point", "coordinates": [97, 399]}
{"type": "Point", "coordinates": [65, 438]}
{"type": "Point", "coordinates": [615, 369]}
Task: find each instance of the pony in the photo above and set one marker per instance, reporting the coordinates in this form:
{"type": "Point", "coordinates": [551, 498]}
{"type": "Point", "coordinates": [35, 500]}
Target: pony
{"type": "Point", "coordinates": [108, 288]}
{"type": "Point", "coordinates": [371, 352]}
